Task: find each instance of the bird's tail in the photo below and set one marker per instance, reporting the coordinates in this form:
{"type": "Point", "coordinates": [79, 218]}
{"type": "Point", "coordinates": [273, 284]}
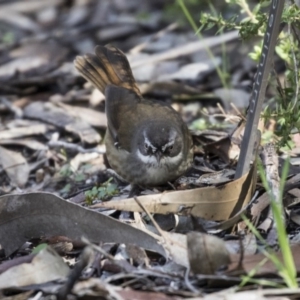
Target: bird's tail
{"type": "Point", "coordinates": [108, 65]}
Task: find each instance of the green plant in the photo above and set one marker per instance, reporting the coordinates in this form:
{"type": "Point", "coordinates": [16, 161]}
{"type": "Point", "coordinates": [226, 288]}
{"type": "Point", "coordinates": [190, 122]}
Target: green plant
{"type": "Point", "coordinates": [285, 108]}
{"type": "Point", "coordinates": [286, 269]}
{"type": "Point", "coordinates": [223, 74]}
{"type": "Point", "coordinates": [39, 248]}
{"type": "Point", "coordinates": [65, 171]}
{"type": "Point", "coordinates": [103, 192]}
{"type": "Point", "coordinates": [66, 174]}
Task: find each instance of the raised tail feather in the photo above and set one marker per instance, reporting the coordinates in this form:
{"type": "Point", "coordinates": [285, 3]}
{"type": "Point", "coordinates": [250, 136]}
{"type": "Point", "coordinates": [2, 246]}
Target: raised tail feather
{"type": "Point", "coordinates": [108, 65]}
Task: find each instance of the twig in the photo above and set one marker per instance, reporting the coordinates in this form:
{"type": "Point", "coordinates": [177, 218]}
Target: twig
{"type": "Point", "coordinates": [74, 147]}
{"type": "Point", "coordinates": [156, 36]}
{"type": "Point", "coordinates": [270, 162]}
{"type": "Point", "coordinates": [188, 283]}
{"type": "Point", "coordinates": [124, 266]}
{"type": "Point", "coordinates": [85, 259]}
{"type": "Point", "coordinates": [237, 111]}
{"type": "Point", "coordinates": [186, 49]}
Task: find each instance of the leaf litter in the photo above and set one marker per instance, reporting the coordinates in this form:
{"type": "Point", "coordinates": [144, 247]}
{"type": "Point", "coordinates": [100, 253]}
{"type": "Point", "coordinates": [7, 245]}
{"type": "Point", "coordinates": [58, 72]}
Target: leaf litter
{"type": "Point", "coordinates": [52, 123]}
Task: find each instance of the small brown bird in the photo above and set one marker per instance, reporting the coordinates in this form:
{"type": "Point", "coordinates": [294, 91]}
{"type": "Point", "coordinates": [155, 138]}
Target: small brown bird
{"type": "Point", "coordinates": [147, 142]}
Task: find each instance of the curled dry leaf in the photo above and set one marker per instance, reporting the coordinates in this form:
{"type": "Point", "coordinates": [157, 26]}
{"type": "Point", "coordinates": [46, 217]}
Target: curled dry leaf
{"type": "Point", "coordinates": [137, 254]}
{"type": "Point", "coordinates": [174, 243]}
{"type": "Point", "coordinates": [214, 203]}
{"type": "Point", "coordinates": [33, 59]}
{"type": "Point", "coordinates": [127, 294]}
{"type": "Point", "coordinates": [185, 49]}
{"type": "Point", "coordinates": [46, 266]}
{"type": "Point", "coordinates": [31, 144]}
{"type": "Point", "coordinates": [257, 294]}
{"type": "Point", "coordinates": [32, 215]}
{"type": "Point", "coordinates": [93, 287]}
{"type": "Point", "coordinates": [90, 116]}
{"type": "Point", "coordinates": [176, 247]}
{"type": "Point", "coordinates": [29, 6]}
{"type": "Point", "coordinates": [21, 132]}
{"type": "Point", "coordinates": [206, 253]}
{"type": "Point", "coordinates": [52, 114]}
{"type": "Point", "coordinates": [15, 166]}
{"type": "Point", "coordinates": [251, 262]}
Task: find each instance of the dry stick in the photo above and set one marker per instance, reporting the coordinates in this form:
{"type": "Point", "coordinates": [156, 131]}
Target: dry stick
{"type": "Point", "coordinates": [259, 88]}
{"type": "Point", "coordinates": [161, 232]}
{"type": "Point", "coordinates": [126, 267]}
{"type": "Point", "coordinates": [75, 273]}
{"type": "Point", "coordinates": [270, 162]}
{"type": "Point", "coordinates": [230, 118]}
{"type": "Point", "coordinates": [156, 36]}
{"type": "Point", "coordinates": [237, 111]}
{"type": "Point", "coordinates": [186, 49]}
{"type": "Point", "coordinates": [221, 108]}
{"type": "Point", "coordinates": [74, 147]}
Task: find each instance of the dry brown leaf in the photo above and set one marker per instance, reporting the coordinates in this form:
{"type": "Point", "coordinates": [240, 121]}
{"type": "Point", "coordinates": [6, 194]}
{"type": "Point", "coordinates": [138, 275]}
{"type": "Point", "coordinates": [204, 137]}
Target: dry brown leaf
{"type": "Point", "coordinates": [30, 6]}
{"type": "Point", "coordinates": [214, 203]}
{"type": "Point", "coordinates": [129, 294]}
{"type": "Point", "coordinates": [207, 253]}
{"type": "Point", "coordinates": [42, 214]}
{"type": "Point", "coordinates": [15, 166]}
{"type": "Point", "coordinates": [176, 246]}
{"type": "Point", "coordinates": [46, 266]}
{"type": "Point", "coordinates": [19, 132]}
{"type": "Point", "coordinates": [21, 296]}
{"type": "Point", "coordinates": [31, 144]}
{"type": "Point", "coordinates": [93, 287]}
{"type": "Point", "coordinates": [34, 58]}
{"type": "Point", "coordinates": [185, 49]}
{"type": "Point", "coordinates": [268, 268]}
{"type": "Point", "coordinates": [257, 294]}
{"type": "Point", "coordinates": [90, 116]}
{"type": "Point", "coordinates": [50, 113]}
{"type": "Point", "coordinates": [174, 243]}
{"type": "Point", "coordinates": [19, 20]}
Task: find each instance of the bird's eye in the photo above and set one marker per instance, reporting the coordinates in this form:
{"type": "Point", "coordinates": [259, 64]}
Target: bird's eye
{"type": "Point", "coordinates": [148, 148]}
{"type": "Point", "coordinates": [170, 148]}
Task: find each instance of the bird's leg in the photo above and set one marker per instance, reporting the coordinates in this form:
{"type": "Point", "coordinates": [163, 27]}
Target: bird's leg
{"type": "Point", "coordinates": [134, 191]}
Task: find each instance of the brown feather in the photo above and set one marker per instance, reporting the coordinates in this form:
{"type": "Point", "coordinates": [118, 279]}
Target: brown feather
{"type": "Point", "coordinates": [108, 66]}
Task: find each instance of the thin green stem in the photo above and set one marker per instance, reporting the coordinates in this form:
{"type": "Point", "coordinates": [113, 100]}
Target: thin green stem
{"type": "Point", "coordinates": [210, 54]}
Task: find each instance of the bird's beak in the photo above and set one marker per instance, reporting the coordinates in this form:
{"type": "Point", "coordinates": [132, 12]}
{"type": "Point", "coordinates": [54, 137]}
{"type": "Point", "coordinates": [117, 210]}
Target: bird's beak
{"type": "Point", "coordinates": [158, 156]}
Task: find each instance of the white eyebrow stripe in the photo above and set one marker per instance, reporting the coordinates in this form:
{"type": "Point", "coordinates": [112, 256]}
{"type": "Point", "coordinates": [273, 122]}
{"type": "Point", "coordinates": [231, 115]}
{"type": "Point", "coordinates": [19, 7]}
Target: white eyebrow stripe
{"type": "Point", "coordinates": [171, 140]}
{"type": "Point", "coordinates": [148, 143]}
{"type": "Point", "coordinates": [163, 148]}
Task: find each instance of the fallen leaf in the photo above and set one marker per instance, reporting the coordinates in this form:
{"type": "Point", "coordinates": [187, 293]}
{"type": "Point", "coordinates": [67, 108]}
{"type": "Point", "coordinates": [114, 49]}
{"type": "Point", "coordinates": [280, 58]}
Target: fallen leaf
{"type": "Point", "coordinates": [46, 266]}
{"type": "Point", "coordinates": [207, 253]}
{"type": "Point", "coordinates": [31, 144]}
{"type": "Point", "coordinates": [32, 215]}
{"type": "Point", "coordinates": [213, 203]}
{"type": "Point", "coordinates": [90, 116]}
{"type": "Point", "coordinates": [19, 132]}
{"type": "Point", "coordinates": [15, 166]}
{"type": "Point", "coordinates": [50, 113]}
{"type": "Point", "coordinates": [268, 268]}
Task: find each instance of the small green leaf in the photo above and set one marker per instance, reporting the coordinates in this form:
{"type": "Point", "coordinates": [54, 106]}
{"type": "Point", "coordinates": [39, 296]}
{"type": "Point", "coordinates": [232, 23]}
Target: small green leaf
{"type": "Point", "coordinates": [39, 248]}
